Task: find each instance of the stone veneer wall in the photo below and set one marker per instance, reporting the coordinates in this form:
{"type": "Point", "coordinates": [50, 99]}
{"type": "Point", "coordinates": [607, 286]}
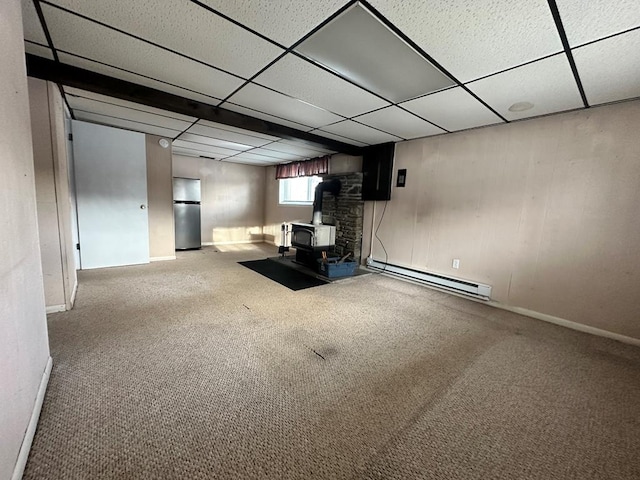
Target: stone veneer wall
{"type": "Point", "coordinates": [346, 212]}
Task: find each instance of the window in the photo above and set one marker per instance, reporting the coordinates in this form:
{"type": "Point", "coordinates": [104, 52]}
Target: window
{"type": "Point", "coordinates": [298, 190]}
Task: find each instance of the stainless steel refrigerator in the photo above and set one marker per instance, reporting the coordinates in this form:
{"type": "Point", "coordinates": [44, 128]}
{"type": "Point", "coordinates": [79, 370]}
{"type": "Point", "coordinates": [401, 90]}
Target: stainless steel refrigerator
{"type": "Point", "coordinates": [186, 211]}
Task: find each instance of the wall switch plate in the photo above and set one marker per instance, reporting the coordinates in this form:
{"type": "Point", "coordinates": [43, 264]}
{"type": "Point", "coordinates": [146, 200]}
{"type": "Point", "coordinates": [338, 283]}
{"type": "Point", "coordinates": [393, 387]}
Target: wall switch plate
{"type": "Point", "coordinates": [456, 263]}
{"type": "Point", "coordinates": [402, 177]}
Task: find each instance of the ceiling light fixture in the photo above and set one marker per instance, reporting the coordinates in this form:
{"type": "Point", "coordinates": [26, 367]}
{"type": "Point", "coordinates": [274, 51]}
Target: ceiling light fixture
{"type": "Point", "coordinates": [521, 107]}
{"type": "Point", "coordinates": [359, 47]}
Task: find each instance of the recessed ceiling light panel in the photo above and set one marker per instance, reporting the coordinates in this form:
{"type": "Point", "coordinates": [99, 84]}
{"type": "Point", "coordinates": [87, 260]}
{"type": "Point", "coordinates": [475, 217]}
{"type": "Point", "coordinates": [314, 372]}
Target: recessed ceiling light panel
{"type": "Point", "coordinates": [359, 47]}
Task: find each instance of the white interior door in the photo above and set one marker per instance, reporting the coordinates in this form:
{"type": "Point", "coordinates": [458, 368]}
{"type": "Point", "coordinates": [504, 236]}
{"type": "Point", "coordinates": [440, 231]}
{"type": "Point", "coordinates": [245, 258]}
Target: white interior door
{"type": "Point", "coordinates": [111, 189]}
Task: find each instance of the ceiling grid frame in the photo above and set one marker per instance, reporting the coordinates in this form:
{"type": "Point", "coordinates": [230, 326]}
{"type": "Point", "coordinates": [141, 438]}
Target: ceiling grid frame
{"type": "Point", "coordinates": [137, 37]}
{"type": "Point", "coordinates": [287, 50]}
{"type": "Point", "coordinates": [553, 7]}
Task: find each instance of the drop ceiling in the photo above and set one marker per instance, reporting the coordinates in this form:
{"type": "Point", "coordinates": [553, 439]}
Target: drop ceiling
{"type": "Point", "coordinates": [359, 73]}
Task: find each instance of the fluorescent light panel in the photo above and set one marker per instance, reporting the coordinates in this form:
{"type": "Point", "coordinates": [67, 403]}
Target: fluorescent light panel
{"type": "Point", "coordinates": [359, 47]}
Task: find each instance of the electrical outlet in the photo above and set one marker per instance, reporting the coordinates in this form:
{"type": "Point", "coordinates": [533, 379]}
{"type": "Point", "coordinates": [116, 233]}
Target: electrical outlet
{"type": "Point", "coordinates": [456, 263]}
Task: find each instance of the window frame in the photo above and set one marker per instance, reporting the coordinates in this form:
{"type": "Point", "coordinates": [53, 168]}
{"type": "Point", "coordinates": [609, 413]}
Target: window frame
{"type": "Point", "coordinates": [312, 180]}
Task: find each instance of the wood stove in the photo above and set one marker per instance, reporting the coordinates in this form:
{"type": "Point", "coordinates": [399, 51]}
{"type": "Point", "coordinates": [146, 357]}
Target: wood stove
{"type": "Point", "coordinates": [311, 240]}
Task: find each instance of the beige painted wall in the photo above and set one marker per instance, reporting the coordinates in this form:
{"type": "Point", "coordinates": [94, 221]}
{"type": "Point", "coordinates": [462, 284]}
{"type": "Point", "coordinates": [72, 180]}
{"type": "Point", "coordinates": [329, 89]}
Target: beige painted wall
{"type": "Point", "coordinates": [24, 349]}
{"type": "Point", "coordinates": [545, 211]}
{"type": "Point", "coordinates": [59, 131]}
{"type": "Point", "coordinates": [46, 201]}
{"type": "Point", "coordinates": [275, 214]}
{"type": "Point", "coordinates": [232, 201]}
{"type": "Point", "coordinates": [52, 194]}
{"type": "Point", "coordinates": [160, 200]}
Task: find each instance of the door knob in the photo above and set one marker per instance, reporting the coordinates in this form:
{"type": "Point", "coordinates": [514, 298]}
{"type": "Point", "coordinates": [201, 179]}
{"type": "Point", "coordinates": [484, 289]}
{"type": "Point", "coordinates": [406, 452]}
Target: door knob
{"type": "Point", "coordinates": [142, 207]}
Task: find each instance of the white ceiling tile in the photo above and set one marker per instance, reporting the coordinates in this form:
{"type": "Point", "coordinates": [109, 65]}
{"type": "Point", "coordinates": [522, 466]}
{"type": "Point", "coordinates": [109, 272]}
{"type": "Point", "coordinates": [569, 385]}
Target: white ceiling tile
{"type": "Point", "coordinates": [126, 124]}
{"type": "Point", "coordinates": [208, 150]}
{"type": "Point", "coordinates": [339, 138]}
{"type": "Point", "coordinates": [242, 131]}
{"type": "Point", "coordinates": [186, 28]}
{"type": "Point", "coordinates": [452, 109]}
{"type": "Point", "coordinates": [298, 150]}
{"type": "Point", "coordinates": [252, 163]}
{"type": "Point", "coordinates": [257, 157]}
{"type": "Point", "coordinates": [548, 84]}
{"type": "Point", "coordinates": [285, 22]}
{"type": "Point", "coordinates": [610, 69]}
{"type": "Point", "coordinates": [304, 144]}
{"type": "Point", "coordinates": [134, 78]}
{"type": "Point", "coordinates": [184, 152]}
{"type": "Point", "coordinates": [84, 38]}
{"type": "Point", "coordinates": [399, 122]}
{"type": "Point", "coordinates": [265, 100]}
{"type": "Point", "coordinates": [277, 156]}
{"type": "Point", "coordinates": [214, 142]}
{"type": "Point", "coordinates": [134, 115]}
{"type": "Point", "coordinates": [252, 160]}
{"type": "Point", "coordinates": [31, 23]}
{"type": "Point", "coordinates": [300, 79]}
{"type": "Point", "coordinates": [181, 150]}
{"type": "Point", "coordinates": [362, 133]}
{"type": "Point", "coordinates": [39, 50]}
{"type": "Point", "coordinates": [474, 38]}
{"type": "Point", "coordinates": [231, 134]}
{"type": "Point", "coordinates": [585, 21]}
{"type": "Point", "coordinates": [265, 116]}
{"type": "Point", "coordinates": [124, 103]}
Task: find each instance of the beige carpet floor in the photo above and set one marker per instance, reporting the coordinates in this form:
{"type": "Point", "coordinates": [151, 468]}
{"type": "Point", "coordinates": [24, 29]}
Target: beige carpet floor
{"type": "Point", "coordinates": [201, 368]}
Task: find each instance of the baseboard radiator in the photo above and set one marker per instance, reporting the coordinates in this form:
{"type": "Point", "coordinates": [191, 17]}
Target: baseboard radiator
{"type": "Point", "coordinates": [464, 287]}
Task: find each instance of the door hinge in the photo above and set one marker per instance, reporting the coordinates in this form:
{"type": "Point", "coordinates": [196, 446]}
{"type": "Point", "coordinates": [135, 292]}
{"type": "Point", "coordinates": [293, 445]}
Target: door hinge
{"type": "Point", "coordinates": [77, 246]}
{"type": "Point", "coordinates": [70, 136]}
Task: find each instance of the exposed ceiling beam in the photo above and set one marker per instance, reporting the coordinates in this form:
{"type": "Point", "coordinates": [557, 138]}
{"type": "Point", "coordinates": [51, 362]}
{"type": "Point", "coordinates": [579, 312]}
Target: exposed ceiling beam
{"type": "Point", "coordinates": [71, 76]}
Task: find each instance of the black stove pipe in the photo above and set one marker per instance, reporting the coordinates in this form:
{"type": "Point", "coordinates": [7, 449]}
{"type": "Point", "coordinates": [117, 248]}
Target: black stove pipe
{"type": "Point", "coordinates": [332, 186]}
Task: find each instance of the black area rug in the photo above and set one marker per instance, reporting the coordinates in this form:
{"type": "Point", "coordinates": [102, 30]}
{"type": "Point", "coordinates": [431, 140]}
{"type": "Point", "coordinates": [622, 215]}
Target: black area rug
{"type": "Point", "coordinates": [284, 275]}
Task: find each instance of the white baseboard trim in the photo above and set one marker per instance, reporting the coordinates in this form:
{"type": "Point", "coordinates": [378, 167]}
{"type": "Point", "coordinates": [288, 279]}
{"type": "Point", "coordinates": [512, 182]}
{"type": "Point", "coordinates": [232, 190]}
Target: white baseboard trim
{"type": "Point", "coordinates": [568, 323]}
{"type": "Point", "coordinates": [537, 315]}
{"type": "Point", "coordinates": [162, 259]}
{"type": "Point", "coordinates": [72, 301]}
{"type": "Point", "coordinates": [21, 463]}
{"type": "Point", "coordinates": [207, 244]}
{"type": "Point", "coordinates": [231, 243]}
{"type": "Point", "coordinates": [55, 308]}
